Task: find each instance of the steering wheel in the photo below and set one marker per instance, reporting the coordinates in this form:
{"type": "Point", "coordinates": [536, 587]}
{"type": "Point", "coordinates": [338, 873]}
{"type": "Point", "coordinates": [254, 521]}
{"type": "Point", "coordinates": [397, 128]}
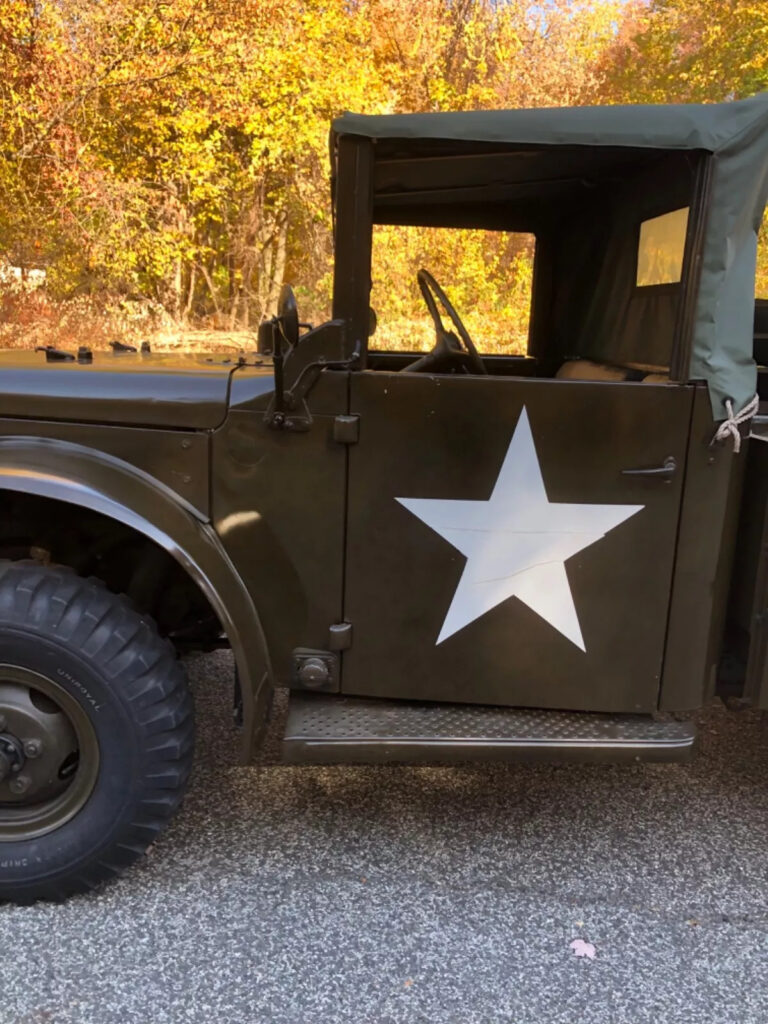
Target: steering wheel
{"type": "Point", "coordinates": [447, 346]}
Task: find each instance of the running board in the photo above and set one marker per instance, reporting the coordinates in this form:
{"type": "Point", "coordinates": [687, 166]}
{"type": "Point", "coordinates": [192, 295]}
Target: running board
{"type": "Point", "coordinates": [324, 729]}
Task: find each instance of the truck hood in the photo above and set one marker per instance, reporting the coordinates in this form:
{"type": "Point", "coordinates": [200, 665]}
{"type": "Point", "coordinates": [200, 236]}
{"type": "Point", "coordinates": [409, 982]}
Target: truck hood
{"type": "Point", "coordinates": [137, 389]}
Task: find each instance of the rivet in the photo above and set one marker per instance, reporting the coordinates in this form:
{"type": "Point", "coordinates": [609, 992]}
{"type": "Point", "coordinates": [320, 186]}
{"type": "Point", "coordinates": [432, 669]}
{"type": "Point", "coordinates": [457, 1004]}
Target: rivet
{"type": "Point", "coordinates": [186, 443]}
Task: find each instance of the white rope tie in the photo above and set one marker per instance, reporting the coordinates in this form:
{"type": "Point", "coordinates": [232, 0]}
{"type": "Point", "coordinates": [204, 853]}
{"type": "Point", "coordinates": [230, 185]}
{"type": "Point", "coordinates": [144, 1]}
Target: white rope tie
{"type": "Point", "coordinates": [730, 426]}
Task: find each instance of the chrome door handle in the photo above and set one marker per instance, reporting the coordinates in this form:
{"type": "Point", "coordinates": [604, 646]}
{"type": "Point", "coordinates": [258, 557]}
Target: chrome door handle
{"type": "Point", "coordinates": [666, 471]}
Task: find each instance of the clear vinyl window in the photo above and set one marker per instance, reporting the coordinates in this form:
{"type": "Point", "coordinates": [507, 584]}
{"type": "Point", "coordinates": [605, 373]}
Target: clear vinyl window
{"type": "Point", "coordinates": [661, 249]}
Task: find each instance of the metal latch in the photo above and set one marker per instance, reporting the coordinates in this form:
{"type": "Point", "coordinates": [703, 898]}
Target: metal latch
{"type": "Point", "coordinates": [665, 471]}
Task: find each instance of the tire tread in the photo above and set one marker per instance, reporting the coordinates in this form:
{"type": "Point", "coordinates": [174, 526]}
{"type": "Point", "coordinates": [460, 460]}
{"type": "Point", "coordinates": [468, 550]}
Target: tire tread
{"type": "Point", "coordinates": [145, 674]}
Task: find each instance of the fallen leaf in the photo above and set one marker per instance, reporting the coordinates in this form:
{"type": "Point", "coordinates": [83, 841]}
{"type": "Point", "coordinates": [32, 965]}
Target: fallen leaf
{"type": "Point", "coordinates": [583, 949]}
{"type": "Point", "coordinates": [408, 982]}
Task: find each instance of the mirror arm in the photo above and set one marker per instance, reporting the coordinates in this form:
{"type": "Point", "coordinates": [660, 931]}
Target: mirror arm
{"type": "Point", "coordinates": [311, 373]}
{"type": "Point", "coordinates": [278, 362]}
{"type": "Point", "coordinates": [271, 344]}
{"type": "Point", "coordinates": [288, 410]}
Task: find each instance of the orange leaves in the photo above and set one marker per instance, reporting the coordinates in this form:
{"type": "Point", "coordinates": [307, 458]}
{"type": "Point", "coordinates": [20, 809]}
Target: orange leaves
{"type": "Point", "coordinates": [178, 148]}
{"type": "Point", "coordinates": [688, 50]}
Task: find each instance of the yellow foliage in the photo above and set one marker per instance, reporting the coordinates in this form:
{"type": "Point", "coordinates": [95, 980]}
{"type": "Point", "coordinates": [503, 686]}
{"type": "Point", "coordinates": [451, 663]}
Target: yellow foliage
{"type": "Point", "coordinates": [175, 151]}
{"type": "Point", "coordinates": [487, 276]}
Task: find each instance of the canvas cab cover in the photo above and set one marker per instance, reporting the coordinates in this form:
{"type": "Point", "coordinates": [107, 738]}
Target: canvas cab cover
{"type": "Point", "coordinates": [550, 155]}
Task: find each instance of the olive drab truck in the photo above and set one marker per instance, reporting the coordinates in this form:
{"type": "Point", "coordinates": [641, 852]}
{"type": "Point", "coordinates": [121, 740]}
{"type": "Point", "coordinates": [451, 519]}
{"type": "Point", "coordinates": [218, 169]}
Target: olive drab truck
{"type": "Point", "coordinates": [443, 555]}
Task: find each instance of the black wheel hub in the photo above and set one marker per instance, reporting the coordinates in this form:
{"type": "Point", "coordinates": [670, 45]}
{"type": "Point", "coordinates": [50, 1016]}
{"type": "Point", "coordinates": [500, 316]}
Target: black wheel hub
{"type": "Point", "coordinates": [44, 735]}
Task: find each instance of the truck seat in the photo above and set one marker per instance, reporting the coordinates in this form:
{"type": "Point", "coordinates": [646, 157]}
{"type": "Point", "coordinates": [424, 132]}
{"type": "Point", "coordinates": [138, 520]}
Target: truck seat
{"type": "Point", "coordinates": [587, 369]}
{"type": "Point", "coordinates": [656, 378]}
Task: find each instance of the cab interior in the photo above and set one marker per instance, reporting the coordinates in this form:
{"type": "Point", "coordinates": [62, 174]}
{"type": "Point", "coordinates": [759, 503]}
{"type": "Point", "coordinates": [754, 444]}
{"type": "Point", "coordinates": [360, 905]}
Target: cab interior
{"type": "Point", "coordinates": [614, 233]}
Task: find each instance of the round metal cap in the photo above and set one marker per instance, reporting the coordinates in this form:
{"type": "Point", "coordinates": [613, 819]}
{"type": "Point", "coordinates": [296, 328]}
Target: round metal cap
{"type": "Point", "coordinates": [313, 673]}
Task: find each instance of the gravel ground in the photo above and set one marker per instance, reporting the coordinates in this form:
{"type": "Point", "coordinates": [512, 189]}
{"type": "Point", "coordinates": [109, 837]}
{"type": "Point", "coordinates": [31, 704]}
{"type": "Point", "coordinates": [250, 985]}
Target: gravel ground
{"type": "Point", "coordinates": [405, 895]}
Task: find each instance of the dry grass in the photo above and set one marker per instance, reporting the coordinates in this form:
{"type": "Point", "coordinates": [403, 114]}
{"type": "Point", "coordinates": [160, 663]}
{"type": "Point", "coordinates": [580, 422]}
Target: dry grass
{"type": "Point", "coordinates": [30, 319]}
{"type": "Point", "coordinates": [418, 335]}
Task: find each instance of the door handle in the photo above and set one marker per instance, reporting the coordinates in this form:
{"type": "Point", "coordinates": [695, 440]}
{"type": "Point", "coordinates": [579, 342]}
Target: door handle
{"type": "Point", "coordinates": [665, 471]}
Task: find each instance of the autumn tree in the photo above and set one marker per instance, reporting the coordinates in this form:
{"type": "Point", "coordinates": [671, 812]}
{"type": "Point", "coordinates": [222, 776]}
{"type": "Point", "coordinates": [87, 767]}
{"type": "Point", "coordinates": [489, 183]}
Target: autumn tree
{"type": "Point", "coordinates": [177, 149]}
{"type": "Point", "coordinates": [690, 51]}
{"type": "Point", "coordinates": [167, 149]}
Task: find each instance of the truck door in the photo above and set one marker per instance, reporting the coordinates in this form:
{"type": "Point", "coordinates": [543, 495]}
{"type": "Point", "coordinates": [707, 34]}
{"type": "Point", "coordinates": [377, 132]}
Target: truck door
{"type": "Point", "coordinates": [511, 541]}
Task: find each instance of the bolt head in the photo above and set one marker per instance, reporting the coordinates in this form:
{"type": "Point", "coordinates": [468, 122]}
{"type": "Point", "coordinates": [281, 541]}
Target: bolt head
{"type": "Point", "coordinates": [20, 784]}
{"type": "Point", "coordinates": [33, 748]}
{"type": "Point", "coordinates": [313, 673]}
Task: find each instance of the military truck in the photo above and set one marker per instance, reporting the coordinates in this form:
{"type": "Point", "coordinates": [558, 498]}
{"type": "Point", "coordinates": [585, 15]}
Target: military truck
{"type": "Point", "coordinates": [444, 555]}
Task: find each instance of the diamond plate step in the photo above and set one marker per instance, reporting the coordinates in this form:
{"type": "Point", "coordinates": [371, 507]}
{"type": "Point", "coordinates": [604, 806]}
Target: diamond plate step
{"type": "Point", "coordinates": [326, 729]}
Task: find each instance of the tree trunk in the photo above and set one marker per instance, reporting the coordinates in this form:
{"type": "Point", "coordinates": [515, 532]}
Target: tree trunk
{"type": "Point", "coordinates": [211, 287]}
{"type": "Point", "coordinates": [190, 292]}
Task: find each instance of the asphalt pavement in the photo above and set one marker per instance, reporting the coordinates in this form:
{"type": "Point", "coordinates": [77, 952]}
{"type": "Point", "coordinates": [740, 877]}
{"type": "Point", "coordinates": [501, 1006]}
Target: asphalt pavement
{"type": "Point", "coordinates": [407, 895]}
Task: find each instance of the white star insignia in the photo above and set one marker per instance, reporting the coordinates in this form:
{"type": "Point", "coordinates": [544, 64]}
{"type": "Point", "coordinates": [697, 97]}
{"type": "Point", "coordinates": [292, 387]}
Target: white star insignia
{"type": "Point", "coordinates": [516, 543]}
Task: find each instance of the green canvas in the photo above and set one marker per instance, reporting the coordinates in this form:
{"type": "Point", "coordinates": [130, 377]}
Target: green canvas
{"type": "Point", "coordinates": [736, 136]}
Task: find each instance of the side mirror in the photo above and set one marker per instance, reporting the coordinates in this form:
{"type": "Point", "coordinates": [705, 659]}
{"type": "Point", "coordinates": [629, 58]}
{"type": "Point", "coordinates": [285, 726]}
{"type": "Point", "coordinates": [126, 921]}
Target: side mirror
{"type": "Point", "coordinates": [288, 315]}
{"type": "Point", "coordinates": [265, 344]}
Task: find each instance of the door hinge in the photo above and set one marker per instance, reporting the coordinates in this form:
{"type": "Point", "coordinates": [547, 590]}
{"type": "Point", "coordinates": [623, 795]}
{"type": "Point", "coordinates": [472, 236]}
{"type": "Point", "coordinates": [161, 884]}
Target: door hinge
{"type": "Point", "coordinates": [346, 429]}
{"type": "Point", "coordinates": [340, 636]}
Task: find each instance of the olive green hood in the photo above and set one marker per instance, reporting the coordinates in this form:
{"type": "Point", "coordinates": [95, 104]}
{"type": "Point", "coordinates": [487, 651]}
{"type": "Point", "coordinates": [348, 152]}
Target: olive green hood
{"type": "Point", "coordinates": [153, 390]}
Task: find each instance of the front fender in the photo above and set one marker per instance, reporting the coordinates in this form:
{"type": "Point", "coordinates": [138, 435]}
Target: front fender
{"type": "Point", "coordinates": [102, 483]}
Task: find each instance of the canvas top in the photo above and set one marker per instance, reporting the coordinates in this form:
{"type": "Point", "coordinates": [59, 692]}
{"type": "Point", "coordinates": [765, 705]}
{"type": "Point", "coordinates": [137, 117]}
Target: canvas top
{"type": "Point", "coordinates": [733, 134]}
{"type": "Point", "coordinates": [707, 126]}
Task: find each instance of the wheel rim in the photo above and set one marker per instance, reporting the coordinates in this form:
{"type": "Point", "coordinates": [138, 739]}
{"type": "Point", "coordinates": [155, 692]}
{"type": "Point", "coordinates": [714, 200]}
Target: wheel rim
{"type": "Point", "coordinates": [49, 755]}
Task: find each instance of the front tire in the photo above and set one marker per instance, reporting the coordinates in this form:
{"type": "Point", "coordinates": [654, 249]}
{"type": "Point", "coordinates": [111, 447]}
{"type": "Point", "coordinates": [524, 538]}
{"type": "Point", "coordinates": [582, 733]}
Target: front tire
{"type": "Point", "coordinates": [96, 733]}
